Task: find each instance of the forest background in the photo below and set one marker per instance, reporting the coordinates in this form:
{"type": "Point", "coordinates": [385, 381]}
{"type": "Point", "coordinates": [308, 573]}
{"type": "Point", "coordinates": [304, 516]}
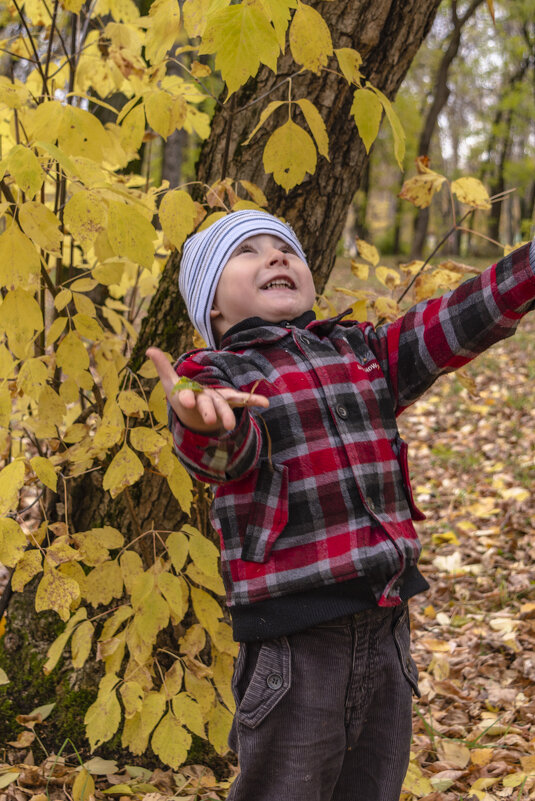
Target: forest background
{"type": "Point", "coordinates": [123, 128]}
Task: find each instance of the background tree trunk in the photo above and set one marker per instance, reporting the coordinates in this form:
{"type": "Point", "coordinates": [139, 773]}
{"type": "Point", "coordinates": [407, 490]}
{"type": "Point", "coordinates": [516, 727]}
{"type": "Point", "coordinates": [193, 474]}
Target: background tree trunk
{"type": "Point", "coordinates": [388, 34]}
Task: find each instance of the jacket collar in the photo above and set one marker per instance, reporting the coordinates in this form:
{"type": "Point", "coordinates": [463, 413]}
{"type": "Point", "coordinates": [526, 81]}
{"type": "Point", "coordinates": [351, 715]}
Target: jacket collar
{"type": "Point", "coordinates": [254, 330]}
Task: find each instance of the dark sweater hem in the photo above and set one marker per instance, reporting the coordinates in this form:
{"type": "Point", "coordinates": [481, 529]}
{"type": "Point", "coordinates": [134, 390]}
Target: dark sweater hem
{"type": "Point", "coordinates": [277, 617]}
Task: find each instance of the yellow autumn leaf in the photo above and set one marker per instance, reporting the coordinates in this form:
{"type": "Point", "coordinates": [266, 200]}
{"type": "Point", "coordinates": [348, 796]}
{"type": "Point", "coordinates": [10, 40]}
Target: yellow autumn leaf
{"type": "Point", "coordinates": [19, 260]}
{"type": "Point", "coordinates": [21, 317]}
{"type": "Point", "coordinates": [56, 592]}
{"type": "Point", "coordinates": [51, 409]}
{"type": "Point", "coordinates": [212, 583]}
{"type": "Point", "coordinates": [398, 134]}
{"type": "Point", "coordinates": [360, 270]}
{"type": "Point", "coordinates": [420, 189]}
{"type": "Point", "coordinates": [104, 715]}
{"type": "Point", "coordinates": [201, 689]}
{"type": "Point", "coordinates": [45, 471]}
{"type": "Point", "coordinates": [171, 588]}
{"type": "Point", "coordinates": [206, 608]}
{"type": "Point", "coordinates": [415, 782]}
{"type": "Point", "coordinates": [310, 38]}
{"type": "Point", "coordinates": [193, 641]}
{"type": "Point", "coordinates": [472, 192]}
{"type": "Point", "coordinates": [87, 326]}
{"type": "Point", "coordinates": [85, 216]}
{"type": "Point", "coordinates": [165, 112]}
{"type": "Point", "coordinates": [103, 583]}
{"type": "Point", "coordinates": [289, 154]}
{"type": "Point", "coordinates": [255, 192]}
{"type": "Point", "coordinates": [72, 355]}
{"type": "Point", "coordinates": [178, 214]}
{"type": "Point", "coordinates": [132, 404]}
{"type": "Point", "coordinates": [367, 111]}
{"type": "Point", "coordinates": [12, 539]}
{"type": "Point", "coordinates": [367, 252]}
{"type": "Point", "coordinates": [130, 234]}
{"type": "Point", "coordinates": [219, 723]}
{"type": "Point", "coordinates": [32, 377]}
{"type": "Point", "coordinates": [84, 785]}
{"type": "Point", "coordinates": [387, 308]}
{"type": "Point", "coordinates": [349, 61]}
{"type": "Point", "coordinates": [132, 129]}
{"type": "Point", "coordinates": [387, 276]}
{"type": "Point", "coordinates": [172, 681]}
{"type": "Point", "coordinates": [81, 134]}
{"type": "Point", "coordinates": [242, 38]}
{"type": "Point", "coordinates": [316, 125]}
{"type": "Point", "coordinates": [204, 553]}
{"type": "Point", "coordinates": [147, 440]}
{"type": "Point", "coordinates": [81, 642]}
{"type": "Point", "coordinates": [137, 729]}
{"type": "Point", "coordinates": [125, 469]}
{"type": "Point", "coordinates": [177, 545]}
{"type": "Point", "coordinates": [63, 297]}
{"type": "Point", "coordinates": [56, 648]}
{"type": "Point", "coordinates": [4, 679]}
{"type": "Point", "coordinates": [13, 93]}
{"type": "Point", "coordinates": [132, 694]}
{"type": "Point", "coordinates": [145, 626]}
{"type": "Point", "coordinates": [11, 482]}
{"type": "Point", "coordinates": [171, 742]}
{"type": "Point", "coordinates": [456, 754]}
{"type": "Point", "coordinates": [7, 364]}
{"type": "Point", "coordinates": [163, 30]}
{"type": "Point", "coordinates": [188, 713]}
{"type": "Point", "coordinates": [180, 482]}
{"type": "Point", "coordinates": [24, 166]}
{"type": "Point", "coordinates": [42, 226]}
{"type": "Point", "coordinates": [28, 566]}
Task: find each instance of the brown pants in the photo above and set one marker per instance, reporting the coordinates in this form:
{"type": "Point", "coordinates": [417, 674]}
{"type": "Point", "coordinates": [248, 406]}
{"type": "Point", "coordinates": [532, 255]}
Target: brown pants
{"type": "Point", "coordinates": [325, 714]}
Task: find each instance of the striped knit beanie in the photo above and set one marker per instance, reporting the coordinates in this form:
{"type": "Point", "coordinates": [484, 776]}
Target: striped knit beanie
{"type": "Point", "coordinates": [206, 253]}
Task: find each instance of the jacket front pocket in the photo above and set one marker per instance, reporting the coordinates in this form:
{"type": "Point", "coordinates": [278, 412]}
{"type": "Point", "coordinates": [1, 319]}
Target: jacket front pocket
{"type": "Point", "coordinates": [269, 683]}
{"type": "Point", "coordinates": [268, 514]}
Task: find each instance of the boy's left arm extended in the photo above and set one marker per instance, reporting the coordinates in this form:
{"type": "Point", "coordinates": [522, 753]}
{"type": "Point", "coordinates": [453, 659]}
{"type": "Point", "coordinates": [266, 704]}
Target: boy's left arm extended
{"type": "Point", "coordinates": [443, 334]}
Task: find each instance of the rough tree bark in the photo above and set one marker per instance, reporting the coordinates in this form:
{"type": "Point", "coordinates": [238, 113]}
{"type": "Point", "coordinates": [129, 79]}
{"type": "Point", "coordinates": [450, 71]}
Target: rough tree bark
{"type": "Point", "coordinates": [388, 34]}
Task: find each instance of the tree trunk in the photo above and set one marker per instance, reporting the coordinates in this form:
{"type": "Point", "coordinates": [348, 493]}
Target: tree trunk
{"type": "Point", "coordinates": [440, 98]}
{"type": "Point", "coordinates": [388, 34]}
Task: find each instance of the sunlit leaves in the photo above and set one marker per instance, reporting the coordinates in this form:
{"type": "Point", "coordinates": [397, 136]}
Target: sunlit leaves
{"type": "Point", "coordinates": [163, 28]}
{"type": "Point", "coordinates": [124, 470]}
{"type": "Point", "coordinates": [130, 234]}
{"type": "Point", "coordinates": [242, 38]}
{"type": "Point", "coordinates": [367, 110]}
{"type": "Point", "coordinates": [471, 191]}
{"type": "Point", "coordinates": [178, 214]}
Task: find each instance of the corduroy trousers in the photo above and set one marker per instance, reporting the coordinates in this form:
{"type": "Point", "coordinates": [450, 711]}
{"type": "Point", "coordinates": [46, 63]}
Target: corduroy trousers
{"type": "Point", "coordinates": [325, 714]}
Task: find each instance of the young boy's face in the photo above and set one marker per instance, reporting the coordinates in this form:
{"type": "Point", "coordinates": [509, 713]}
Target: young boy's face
{"type": "Point", "coordinates": [264, 278]}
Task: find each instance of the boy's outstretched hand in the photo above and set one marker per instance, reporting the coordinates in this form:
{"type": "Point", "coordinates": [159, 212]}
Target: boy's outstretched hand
{"type": "Point", "coordinates": [207, 411]}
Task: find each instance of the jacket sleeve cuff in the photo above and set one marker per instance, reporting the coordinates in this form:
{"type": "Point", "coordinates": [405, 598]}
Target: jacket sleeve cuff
{"type": "Point", "coordinates": [218, 458]}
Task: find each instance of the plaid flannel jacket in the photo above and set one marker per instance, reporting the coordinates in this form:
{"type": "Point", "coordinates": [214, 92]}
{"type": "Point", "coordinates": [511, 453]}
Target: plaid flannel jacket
{"type": "Point", "coordinates": [315, 489]}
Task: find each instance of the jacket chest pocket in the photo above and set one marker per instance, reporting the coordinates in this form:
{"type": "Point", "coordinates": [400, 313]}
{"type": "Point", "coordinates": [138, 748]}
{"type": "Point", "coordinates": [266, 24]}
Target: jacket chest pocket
{"type": "Point", "coordinates": [268, 513]}
{"type": "Point", "coordinates": [401, 450]}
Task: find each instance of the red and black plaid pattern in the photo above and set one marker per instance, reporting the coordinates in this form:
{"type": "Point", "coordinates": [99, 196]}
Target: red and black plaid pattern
{"type": "Point", "coordinates": [315, 489]}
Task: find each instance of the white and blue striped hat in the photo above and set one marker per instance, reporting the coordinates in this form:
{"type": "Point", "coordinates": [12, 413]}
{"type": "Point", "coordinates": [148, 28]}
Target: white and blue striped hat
{"type": "Point", "coordinates": [205, 255]}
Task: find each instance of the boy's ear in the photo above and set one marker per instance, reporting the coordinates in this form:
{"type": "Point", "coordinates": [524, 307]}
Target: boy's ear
{"type": "Point", "coordinates": [214, 313]}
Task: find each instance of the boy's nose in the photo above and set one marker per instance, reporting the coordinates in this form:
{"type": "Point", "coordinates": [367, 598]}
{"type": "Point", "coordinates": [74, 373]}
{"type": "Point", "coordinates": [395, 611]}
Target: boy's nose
{"type": "Point", "coordinates": [277, 256]}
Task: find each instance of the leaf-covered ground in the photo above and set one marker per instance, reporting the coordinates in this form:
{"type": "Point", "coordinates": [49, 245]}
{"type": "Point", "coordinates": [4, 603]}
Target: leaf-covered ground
{"type": "Point", "coordinates": [473, 465]}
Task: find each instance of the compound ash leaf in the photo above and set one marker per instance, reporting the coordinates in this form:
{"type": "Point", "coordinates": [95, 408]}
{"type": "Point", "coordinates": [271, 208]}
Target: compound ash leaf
{"type": "Point", "coordinates": [177, 545]}
{"type": "Point", "coordinates": [206, 609]}
{"type": "Point", "coordinates": [104, 583]}
{"type": "Point", "coordinates": [56, 592]}
{"type": "Point", "coordinates": [132, 404]}
{"type": "Point", "coordinates": [72, 355]}
{"type": "Point", "coordinates": [12, 537]}
{"type": "Point", "coordinates": [188, 713]}
{"type": "Point", "coordinates": [132, 694]}
{"type": "Point", "coordinates": [471, 191]}
{"type": "Point", "coordinates": [178, 215]}
{"type": "Point", "coordinates": [125, 469]}
{"type": "Point", "coordinates": [171, 741]}
{"type": "Point", "coordinates": [310, 38]}
{"type": "Point", "coordinates": [171, 588]}
{"type": "Point", "coordinates": [163, 30]}
{"type": "Point", "coordinates": [289, 154]}
{"type": "Point", "coordinates": [242, 38]}
{"type": "Point", "coordinates": [398, 133]}
{"type": "Point", "coordinates": [367, 111]}
{"type": "Point", "coordinates": [20, 316]}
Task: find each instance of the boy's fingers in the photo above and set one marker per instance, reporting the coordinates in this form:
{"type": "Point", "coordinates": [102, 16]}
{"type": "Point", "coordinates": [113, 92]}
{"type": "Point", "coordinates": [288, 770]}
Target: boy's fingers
{"type": "Point", "coordinates": [244, 398]}
{"type": "Point", "coordinates": [165, 369]}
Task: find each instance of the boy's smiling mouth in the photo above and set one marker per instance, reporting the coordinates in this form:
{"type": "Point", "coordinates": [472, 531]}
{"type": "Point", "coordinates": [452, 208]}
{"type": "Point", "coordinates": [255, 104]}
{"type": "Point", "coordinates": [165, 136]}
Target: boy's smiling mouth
{"type": "Point", "coordinates": [279, 283]}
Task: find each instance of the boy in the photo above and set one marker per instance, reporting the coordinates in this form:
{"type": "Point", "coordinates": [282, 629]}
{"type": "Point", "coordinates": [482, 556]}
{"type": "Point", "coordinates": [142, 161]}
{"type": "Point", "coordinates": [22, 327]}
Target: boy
{"type": "Point", "coordinates": [296, 429]}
